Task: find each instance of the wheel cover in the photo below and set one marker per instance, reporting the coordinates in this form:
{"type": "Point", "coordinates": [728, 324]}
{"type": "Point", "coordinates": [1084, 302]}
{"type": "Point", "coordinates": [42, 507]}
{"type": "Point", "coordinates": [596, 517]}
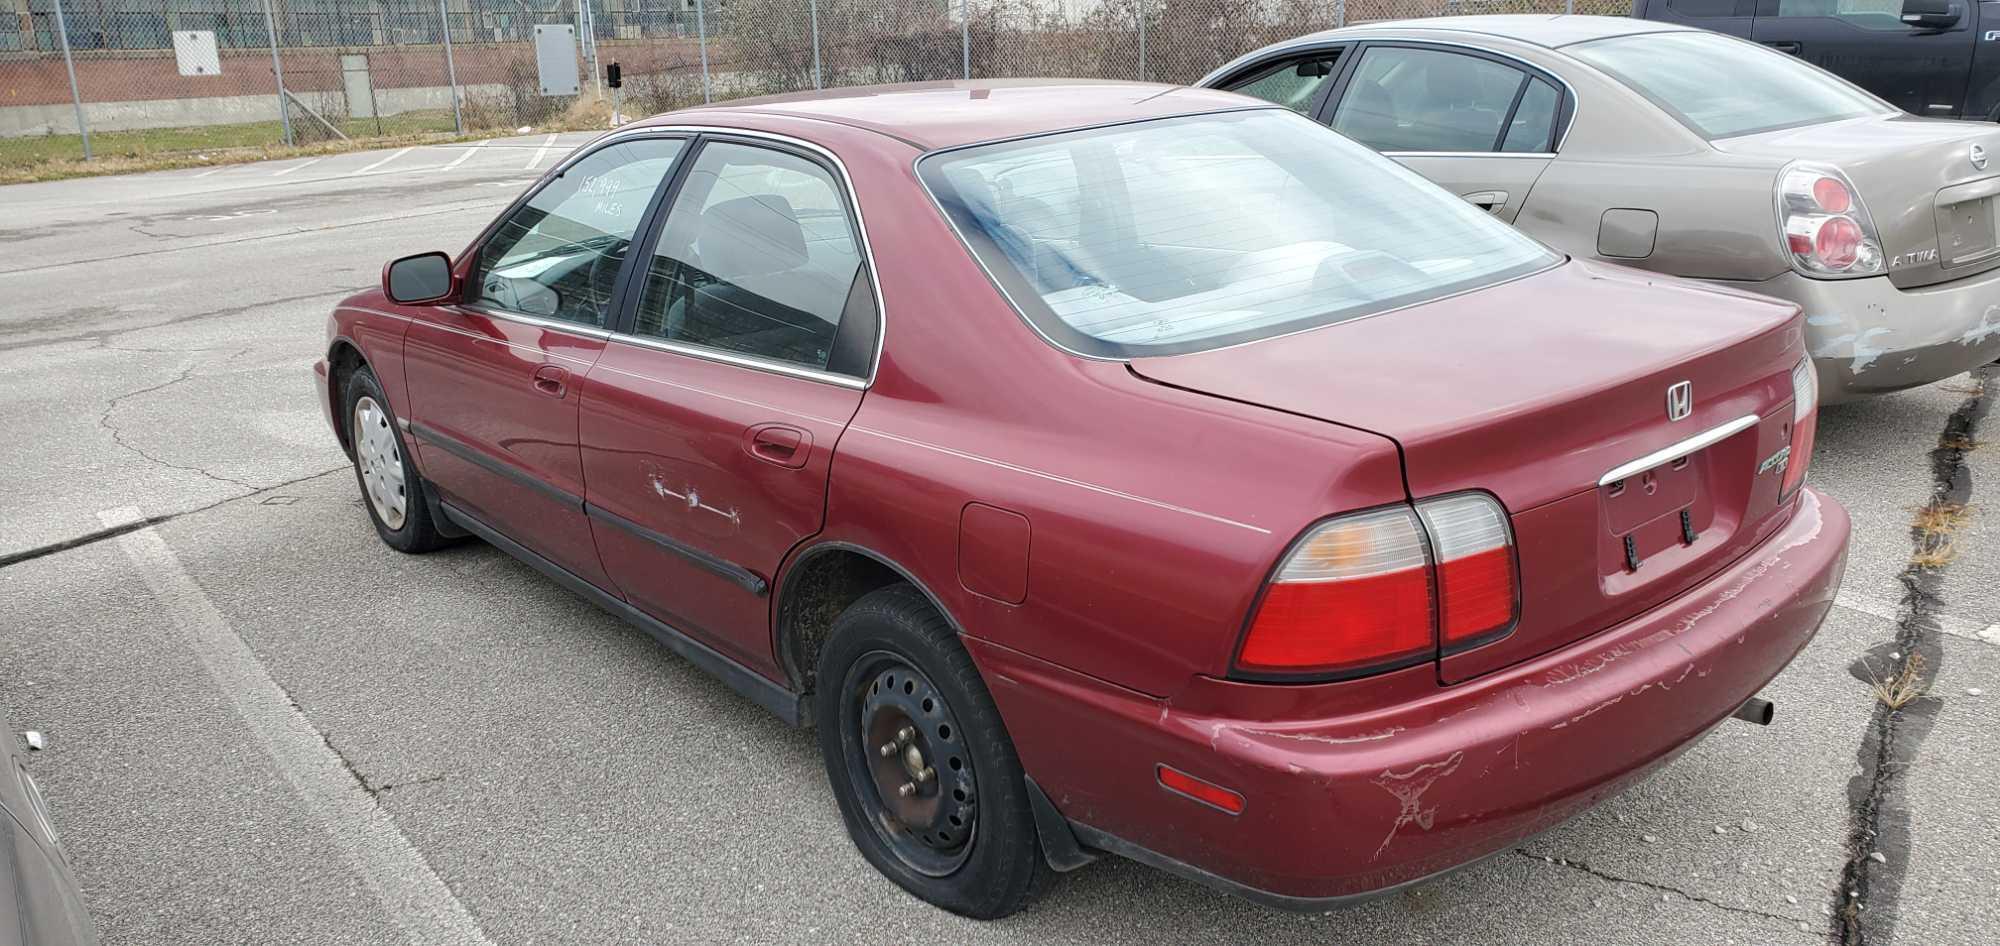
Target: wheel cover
{"type": "Point", "coordinates": [908, 764]}
{"type": "Point", "coordinates": [380, 460]}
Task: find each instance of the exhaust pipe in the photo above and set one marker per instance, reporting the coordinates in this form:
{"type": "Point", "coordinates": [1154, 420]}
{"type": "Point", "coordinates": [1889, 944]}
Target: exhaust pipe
{"type": "Point", "coordinates": [1756, 711]}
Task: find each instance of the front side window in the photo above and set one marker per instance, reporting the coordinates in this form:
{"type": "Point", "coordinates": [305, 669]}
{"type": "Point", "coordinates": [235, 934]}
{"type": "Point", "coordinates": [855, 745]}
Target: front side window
{"type": "Point", "coordinates": [1294, 83]}
{"type": "Point", "coordinates": [1425, 100]}
{"type": "Point", "coordinates": [557, 256]}
{"type": "Point", "coordinates": [759, 257]}
{"type": "Point", "coordinates": [1720, 87]}
{"type": "Point", "coordinates": [1190, 233]}
{"type": "Point", "coordinates": [1884, 15]}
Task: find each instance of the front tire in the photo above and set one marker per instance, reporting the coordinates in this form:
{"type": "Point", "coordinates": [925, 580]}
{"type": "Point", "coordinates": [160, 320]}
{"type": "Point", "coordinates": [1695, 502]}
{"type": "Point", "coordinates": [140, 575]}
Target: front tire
{"type": "Point", "coordinates": [926, 778]}
{"type": "Point", "coordinates": [391, 490]}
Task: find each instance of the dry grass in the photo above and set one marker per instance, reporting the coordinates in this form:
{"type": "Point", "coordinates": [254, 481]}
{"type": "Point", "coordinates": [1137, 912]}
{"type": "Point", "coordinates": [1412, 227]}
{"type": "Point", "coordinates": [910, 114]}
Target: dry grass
{"type": "Point", "coordinates": [1942, 518]}
{"type": "Point", "coordinates": [1971, 390]}
{"type": "Point", "coordinates": [1906, 686]}
{"type": "Point", "coordinates": [1958, 442]}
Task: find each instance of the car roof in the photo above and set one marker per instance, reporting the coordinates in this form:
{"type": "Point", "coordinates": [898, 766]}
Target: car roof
{"type": "Point", "coordinates": [1539, 30]}
{"type": "Point", "coordinates": [932, 115]}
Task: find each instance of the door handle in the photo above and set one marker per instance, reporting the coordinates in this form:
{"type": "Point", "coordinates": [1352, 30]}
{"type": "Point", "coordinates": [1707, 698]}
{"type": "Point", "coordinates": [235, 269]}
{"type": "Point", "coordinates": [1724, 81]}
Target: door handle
{"type": "Point", "coordinates": [1489, 201]}
{"type": "Point", "coordinates": [549, 379]}
{"type": "Point", "coordinates": [1783, 46]}
{"type": "Point", "coordinates": [780, 444]}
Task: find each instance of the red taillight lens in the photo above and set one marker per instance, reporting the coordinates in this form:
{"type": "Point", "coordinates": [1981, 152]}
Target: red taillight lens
{"type": "Point", "coordinates": [1475, 561]}
{"type": "Point", "coordinates": [1838, 242]}
{"type": "Point", "coordinates": [1354, 592]}
{"type": "Point", "coordinates": [1805, 421]}
{"type": "Point", "coordinates": [1378, 590]}
{"type": "Point", "coordinates": [1831, 195]}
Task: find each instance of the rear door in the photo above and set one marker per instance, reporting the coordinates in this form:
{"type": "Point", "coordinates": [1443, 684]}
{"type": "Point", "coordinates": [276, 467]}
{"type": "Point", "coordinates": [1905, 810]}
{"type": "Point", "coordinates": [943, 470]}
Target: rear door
{"type": "Point", "coordinates": [494, 382]}
{"type": "Point", "coordinates": [1923, 72]}
{"type": "Point", "coordinates": [1480, 125]}
{"type": "Point", "coordinates": [748, 335]}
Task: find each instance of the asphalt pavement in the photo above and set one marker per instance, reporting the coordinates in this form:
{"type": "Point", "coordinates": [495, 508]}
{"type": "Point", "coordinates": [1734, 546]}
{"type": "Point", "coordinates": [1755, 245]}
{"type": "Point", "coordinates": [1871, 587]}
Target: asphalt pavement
{"type": "Point", "coordinates": [264, 727]}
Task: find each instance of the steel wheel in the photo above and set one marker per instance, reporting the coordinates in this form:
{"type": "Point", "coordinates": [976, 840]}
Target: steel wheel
{"type": "Point", "coordinates": [380, 460]}
{"type": "Point", "coordinates": [907, 764]}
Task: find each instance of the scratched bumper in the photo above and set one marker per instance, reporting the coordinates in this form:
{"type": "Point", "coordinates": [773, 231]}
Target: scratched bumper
{"type": "Point", "coordinates": [1354, 799]}
{"type": "Point", "coordinates": [1868, 337]}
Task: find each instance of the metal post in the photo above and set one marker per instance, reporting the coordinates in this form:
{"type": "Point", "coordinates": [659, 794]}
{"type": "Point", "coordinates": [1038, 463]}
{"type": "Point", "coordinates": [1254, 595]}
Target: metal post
{"type": "Point", "coordinates": [278, 71]}
{"type": "Point", "coordinates": [1142, 39]}
{"type": "Point", "coordinates": [75, 94]}
{"type": "Point", "coordinates": [965, 36]}
{"type": "Point", "coordinates": [813, 7]}
{"type": "Point", "coordinates": [450, 72]}
{"type": "Point", "coordinates": [1339, 13]}
{"type": "Point", "coordinates": [590, 28]}
{"type": "Point", "coordinates": [701, 36]}
{"type": "Point", "coordinates": [1569, 6]}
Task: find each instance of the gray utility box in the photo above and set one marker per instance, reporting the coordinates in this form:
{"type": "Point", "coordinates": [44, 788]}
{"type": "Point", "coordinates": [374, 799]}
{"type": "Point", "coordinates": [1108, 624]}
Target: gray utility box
{"type": "Point", "coordinates": [555, 58]}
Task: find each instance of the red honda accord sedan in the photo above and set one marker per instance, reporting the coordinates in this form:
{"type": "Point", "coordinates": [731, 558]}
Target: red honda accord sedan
{"type": "Point", "coordinates": [1113, 468]}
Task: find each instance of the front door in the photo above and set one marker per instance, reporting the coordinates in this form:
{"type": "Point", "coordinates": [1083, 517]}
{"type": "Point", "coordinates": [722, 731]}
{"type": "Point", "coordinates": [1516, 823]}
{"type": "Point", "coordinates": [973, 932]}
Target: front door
{"type": "Point", "coordinates": [1923, 72]}
{"type": "Point", "coordinates": [710, 427]}
{"type": "Point", "coordinates": [1480, 126]}
{"type": "Point", "coordinates": [494, 381]}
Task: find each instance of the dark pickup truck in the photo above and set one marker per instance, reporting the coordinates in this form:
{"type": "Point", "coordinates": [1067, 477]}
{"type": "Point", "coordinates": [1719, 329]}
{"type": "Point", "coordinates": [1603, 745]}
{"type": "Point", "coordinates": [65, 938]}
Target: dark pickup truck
{"type": "Point", "coordinates": [1938, 58]}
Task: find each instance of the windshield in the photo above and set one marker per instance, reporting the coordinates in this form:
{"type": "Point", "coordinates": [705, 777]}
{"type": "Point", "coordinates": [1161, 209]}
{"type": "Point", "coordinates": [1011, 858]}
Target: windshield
{"type": "Point", "coordinates": [1722, 87]}
{"type": "Point", "coordinates": [1190, 233]}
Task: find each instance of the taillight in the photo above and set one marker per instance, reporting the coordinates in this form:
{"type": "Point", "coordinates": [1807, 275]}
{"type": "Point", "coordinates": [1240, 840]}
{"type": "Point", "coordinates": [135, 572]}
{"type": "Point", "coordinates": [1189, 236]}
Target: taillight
{"type": "Point", "coordinates": [1377, 590]}
{"type": "Point", "coordinates": [1805, 419]}
{"type": "Point", "coordinates": [1827, 231]}
{"type": "Point", "coordinates": [1474, 551]}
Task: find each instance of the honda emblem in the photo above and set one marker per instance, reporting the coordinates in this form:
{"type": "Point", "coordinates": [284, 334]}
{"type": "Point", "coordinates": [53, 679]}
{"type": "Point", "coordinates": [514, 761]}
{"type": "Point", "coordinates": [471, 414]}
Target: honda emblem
{"type": "Point", "coordinates": [1680, 400]}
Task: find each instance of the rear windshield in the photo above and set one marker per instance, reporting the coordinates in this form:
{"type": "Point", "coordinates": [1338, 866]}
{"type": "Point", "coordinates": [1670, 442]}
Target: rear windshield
{"type": "Point", "coordinates": [1189, 233]}
{"type": "Point", "coordinates": [1722, 87]}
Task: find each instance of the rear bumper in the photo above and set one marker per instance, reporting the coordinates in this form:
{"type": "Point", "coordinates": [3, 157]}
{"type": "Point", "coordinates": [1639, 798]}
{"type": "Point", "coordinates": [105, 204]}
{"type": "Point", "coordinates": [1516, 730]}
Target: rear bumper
{"type": "Point", "coordinates": [1348, 795]}
{"type": "Point", "coordinates": [1868, 337]}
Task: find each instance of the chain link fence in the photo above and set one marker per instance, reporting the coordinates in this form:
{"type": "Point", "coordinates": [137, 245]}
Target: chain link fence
{"type": "Point", "coordinates": [135, 77]}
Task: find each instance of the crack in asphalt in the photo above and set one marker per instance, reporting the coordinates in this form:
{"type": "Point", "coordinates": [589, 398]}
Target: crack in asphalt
{"type": "Point", "coordinates": [1879, 840]}
{"type": "Point", "coordinates": [1658, 887]}
{"type": "Point", "coordinates": [118, 435]}
{"type": "Point", "coordinates": [99, 535]}
{"type": "Point", "coordinates": [373, 790]}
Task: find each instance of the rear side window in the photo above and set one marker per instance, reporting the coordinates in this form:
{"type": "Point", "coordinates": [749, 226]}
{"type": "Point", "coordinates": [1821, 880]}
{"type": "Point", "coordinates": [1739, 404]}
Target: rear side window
{"type": "Point", "coordinates": [1534, 123]}
{"type": "Point", "coordinates": [1294, 83]}
{"type": "Point", "coordinates": [1706, 9]}
{"type": "Point", "coordinates": [1427, 100]}
{"type": "Point", "coordinates": [1721, 87]}
{"type": "Point", "coordinates": [759, 257]}
{"type": "Point", "coordinates": [1184, 234]}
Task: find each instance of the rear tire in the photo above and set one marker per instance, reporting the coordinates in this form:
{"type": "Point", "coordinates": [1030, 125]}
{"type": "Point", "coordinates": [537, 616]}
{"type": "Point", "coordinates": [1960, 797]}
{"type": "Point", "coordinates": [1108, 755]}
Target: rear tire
{"type": "Point", "coordinates": [944, 811]}
{"type": "Point", "coordinates": [391, 489]}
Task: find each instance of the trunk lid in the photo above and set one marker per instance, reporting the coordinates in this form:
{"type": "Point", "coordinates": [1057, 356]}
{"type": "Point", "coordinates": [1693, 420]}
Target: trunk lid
{"type": "Point", "coordinates": [1933, 207]}
{"type": "Point", "coordinates": [1534, 390]}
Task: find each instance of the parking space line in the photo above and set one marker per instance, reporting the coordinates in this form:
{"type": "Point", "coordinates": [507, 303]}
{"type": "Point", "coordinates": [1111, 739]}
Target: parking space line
{"type": "Point", "coordinates": [296, 167]}
{"type": "Point", "coordinates": [380, 163]}
{"type": "Point", "coordinates": [540, 153]}
{"type": "Point", "coordinates": [214, 171]}
{"type": "Point", "coordinates": [455, 162]}
{"type": "Point", "coordinates": [412, 894]}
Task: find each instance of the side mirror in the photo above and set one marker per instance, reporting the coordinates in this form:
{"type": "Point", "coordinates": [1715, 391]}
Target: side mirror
{"type": "Point", "coordinates": [1930, 14]}
{"type": "Point", "coordinates": [418, 280]}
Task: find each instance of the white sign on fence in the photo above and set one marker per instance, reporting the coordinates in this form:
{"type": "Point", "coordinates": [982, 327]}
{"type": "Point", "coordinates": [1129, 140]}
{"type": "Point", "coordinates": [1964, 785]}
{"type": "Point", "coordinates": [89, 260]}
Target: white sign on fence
{"type": "Point", "coordinates": [194, 53]}
{"type": "Point", "coordinates": [555, 58]}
